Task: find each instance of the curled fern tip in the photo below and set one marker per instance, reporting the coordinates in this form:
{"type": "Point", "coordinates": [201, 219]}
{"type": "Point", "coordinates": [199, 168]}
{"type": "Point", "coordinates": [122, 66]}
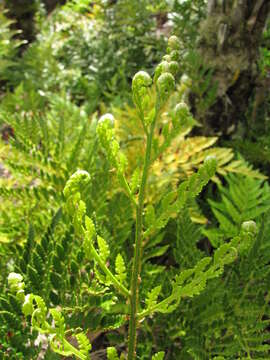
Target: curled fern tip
{"type": "Point", "coordinates": [249, 227]}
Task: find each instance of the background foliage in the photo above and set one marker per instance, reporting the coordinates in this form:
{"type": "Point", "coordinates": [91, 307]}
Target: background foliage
{"type": "Point", "coordinates": [80, 65]}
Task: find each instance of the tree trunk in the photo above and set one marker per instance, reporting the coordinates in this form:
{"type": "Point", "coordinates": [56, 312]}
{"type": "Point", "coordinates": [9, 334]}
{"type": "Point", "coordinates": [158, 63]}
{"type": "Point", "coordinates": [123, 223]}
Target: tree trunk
{"type": "Point", "coordinates": [229, 43]}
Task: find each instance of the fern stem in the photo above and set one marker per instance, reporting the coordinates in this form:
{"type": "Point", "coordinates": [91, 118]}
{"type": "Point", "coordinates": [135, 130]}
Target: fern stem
{"type": "Point", "coordinates": [74, 351]}
{"type": "Point", "coordinates": [120, 287]}
{"type": "Point", "coordinates": [124, 183]}
{"type": "Point", "coordinates": [156, 307]}
{"type": "Point", "coordinates": [136, 270]}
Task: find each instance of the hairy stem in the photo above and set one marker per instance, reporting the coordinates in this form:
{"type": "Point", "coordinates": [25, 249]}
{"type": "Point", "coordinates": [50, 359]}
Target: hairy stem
{"type": "Point", "coordinates": [136, 270]}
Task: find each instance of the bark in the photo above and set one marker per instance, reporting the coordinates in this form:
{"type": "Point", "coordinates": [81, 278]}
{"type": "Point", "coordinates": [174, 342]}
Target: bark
{"type": "Point", "coordinates": [229, 43]}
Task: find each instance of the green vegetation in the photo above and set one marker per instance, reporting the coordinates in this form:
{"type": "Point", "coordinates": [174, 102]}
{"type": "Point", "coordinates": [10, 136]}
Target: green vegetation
{"type": "Point", "coordinates": [129, 229]}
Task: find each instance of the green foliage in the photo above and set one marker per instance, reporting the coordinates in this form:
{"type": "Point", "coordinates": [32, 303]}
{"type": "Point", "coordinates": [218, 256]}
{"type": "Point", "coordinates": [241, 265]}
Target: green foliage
{"type": "Point", "coordinates": [8, 46]}
{"type": "Point", "coordinates": [187, 16]}
{"type": "Point", "coordinates": [231, 316]}
{"type": "Point", "coordinates": [188, 235]}
{"type": "Point", "coordinates": [112, 354]}
{"type": "Point", "coordinates": [186, 291]}
{"type": "Point", "coordinates": [15, 333]}
{"type": "Point", "coordinates": [91, 51]}
{"type": "Point", "coordinates": [244, 199]}
{"type": "Point", "coordinates": [118, 303]}
{"type": "Point", "coordinates": [174, 131]}
{"type": "Point", "coordinates": [120, 268]}
{"type": "Point", "coordinates": [35, 233]}
{"type": "Point", "coordinates": [43, 162]}
{"type": "Point", "coordinates": [158, 356]}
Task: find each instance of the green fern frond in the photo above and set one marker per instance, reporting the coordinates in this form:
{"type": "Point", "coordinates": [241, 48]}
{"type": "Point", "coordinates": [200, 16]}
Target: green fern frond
{"type": "Point", "coordinates": [120, 269]}
{"type": "Point", "coordinates": [188, 235]}
{"type": "Point", "coordinates": [84, 343]}
{"type": "Point", "coordinates": [244, 199]}
{"type": "Point", "coordinates": [159, 356]}
{"type": "Point", "coordinates": [112, 353]}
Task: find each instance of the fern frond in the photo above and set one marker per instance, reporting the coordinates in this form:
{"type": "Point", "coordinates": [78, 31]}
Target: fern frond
{"type": "Point", "coordinates": [112, 353]}
{"type": "Point", "coordinates": [84, 344]}
{"type": "Point", "coordinates": [159, 356]}
{"type": "Point", "coordinates": [120, 269]}
{"type": "Point", "coordinates": [244, 199]}
{"type": "Point", "coordinates": [188, 235]}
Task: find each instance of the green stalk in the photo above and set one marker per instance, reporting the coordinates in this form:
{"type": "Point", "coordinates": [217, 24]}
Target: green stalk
{"type": "Point", "coordinates": [124, 183]}
{"type": "Point", "coordinates": [73, 350]}
{"type": "Point", "coordinates": [136, 270]}
{"type": "Point", "coordinates": [120, 287]}
{"type": "Point", "coordinates": [156, 307]}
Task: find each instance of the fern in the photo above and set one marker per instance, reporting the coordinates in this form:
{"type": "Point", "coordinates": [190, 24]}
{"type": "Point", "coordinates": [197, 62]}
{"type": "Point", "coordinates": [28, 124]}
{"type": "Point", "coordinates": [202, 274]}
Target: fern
{"type": "Point", "coordinates": [120, 269]}
{"type": "Point", "coordinates": [8, 46]}
{"type": "Point", "coordinates": [84, 344]}
{"type": "Point", "coordinates": [112, 353]}
{"type": "Point", "coordinates": [171, 167]}
{"type": "Point", "coordinates": [14, 333]}
{"type": "Point", "coordinates": [231, 315]}
{"type": "Point", "coordinates": [69, 271]}
{"type": "Point", "coordinates": [158, 356]}
{"type": "Point", "coordinates": [188, 235]}
{"type": "Point", "coordinates": [43, 168]}
{"type": "Point", "coordinates": [244, 199]}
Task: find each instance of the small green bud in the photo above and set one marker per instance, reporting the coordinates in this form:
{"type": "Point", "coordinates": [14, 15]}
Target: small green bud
{"type": "Point", "coordinates": [76, 181]}
{"type": "Point", "coordinates": [173, 43]}
{"type": "Point", "coordinates": [160, 69]}
{"type": "Point", "coordinates": [112, 353]}
{"type": "Point", "coordinates": [249, 226]}
{"type": "Point", "coordinates": [20, 296]}
{"type": "Point", "coordinates": [166, 58]}
{"type": "Point", "coordinates": [141, 81]}
{"type": "Point", "coordinates": [15, 282]}
{"type": "Point", "coordinates": [173, 67]}
{"type": "Point", "coordinates": [108, 119]}
{"type": "Point", "coordinates": [211, 160]}
{"type": "Point", "coordinates": [181, 110]}
{"type": "Point", "coordinates": [165, 85]}
{"type": "Point", "coordinates": [182, 114]}
{"type": "Point", "coordinates": [27, 307]}
{"type": "Point", "coordinates": [185, 80]}
{"type": "Point", "coordinates": [106, 136]}
{"type": "Point", "coordinates": [175, 55]}
{"type": "Point", "coordinates": [14, 278]}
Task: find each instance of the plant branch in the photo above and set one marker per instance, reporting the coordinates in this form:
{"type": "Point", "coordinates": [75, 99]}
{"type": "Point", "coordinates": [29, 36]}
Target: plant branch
{"type": "Point", "coordinates": [154, 308]}
{"type": "Point", "coordinates": [135, 277]}
{"type": "Point", "coordinates": [124, 183]}
{"type": "Point", "coordinates": [120, 287]}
